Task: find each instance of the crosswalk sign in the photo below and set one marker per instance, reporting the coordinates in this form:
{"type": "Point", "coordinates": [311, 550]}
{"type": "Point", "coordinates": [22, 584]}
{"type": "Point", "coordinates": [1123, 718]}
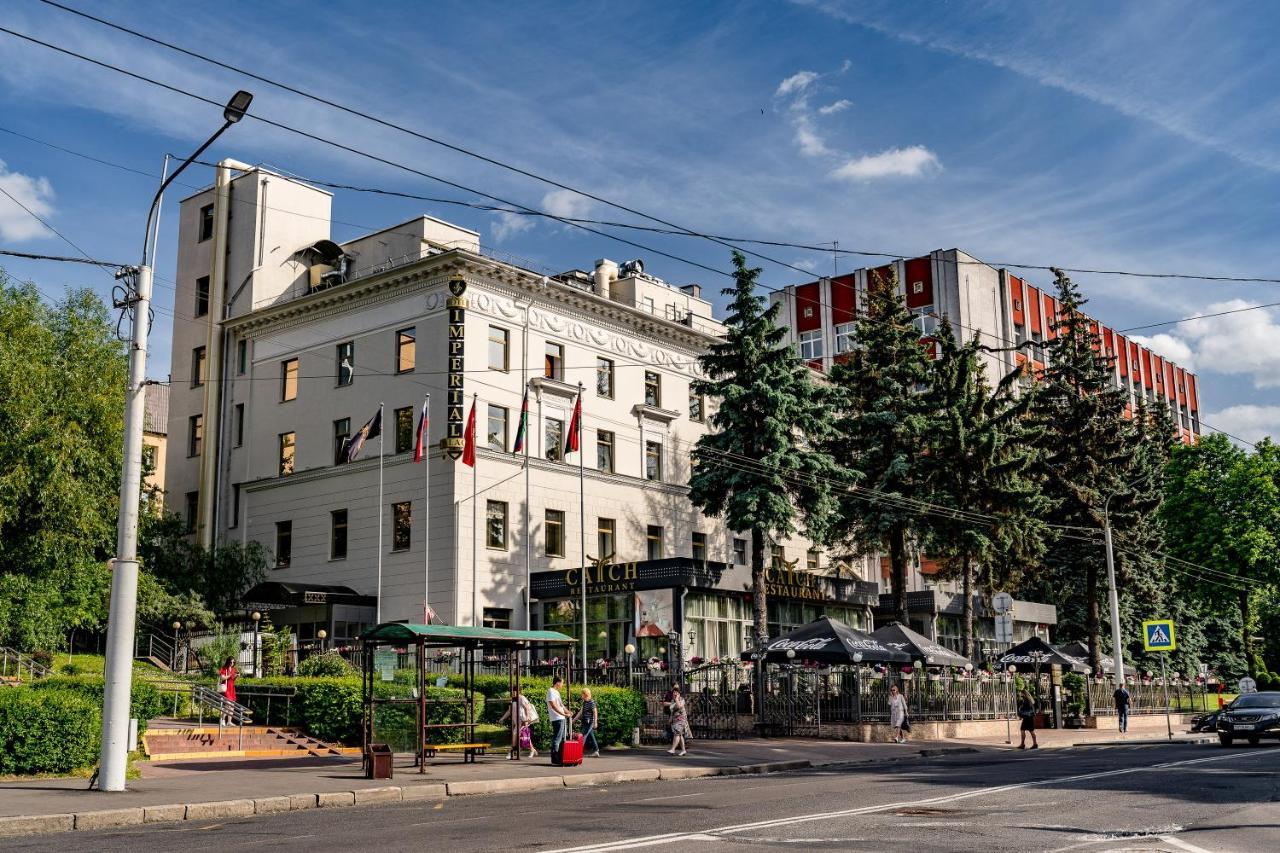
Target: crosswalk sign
{"type": "Point", "coordinates": [1158, 635]}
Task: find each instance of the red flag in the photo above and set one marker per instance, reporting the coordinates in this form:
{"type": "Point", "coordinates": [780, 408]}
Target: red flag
{"type": "Point", "coordinates": [469, 439]}
{"type": "Point", "coordinates": [575, 426]}
{"type": "Point", "coordinates": [420, 446]}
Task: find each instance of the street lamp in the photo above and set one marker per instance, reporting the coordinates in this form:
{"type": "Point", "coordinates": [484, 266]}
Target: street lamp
{"type": "Point", "coordinates": [173, 656]}
{"type": "Point", "coordinates": [1117, 649]}
{"type": "Point", "coordinates": [321, 635]}
{"type": "Point", "coordinates": [123, 613]}
{"type": "Point", "coordinates": [257, 617]}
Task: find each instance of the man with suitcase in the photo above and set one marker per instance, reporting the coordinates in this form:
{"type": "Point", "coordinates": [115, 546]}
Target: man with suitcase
{"type": "Point", "coordinates": [558, 714]}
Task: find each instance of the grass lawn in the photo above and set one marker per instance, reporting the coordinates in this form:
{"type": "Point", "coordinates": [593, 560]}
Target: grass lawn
{"type": "Point", "coordinates": [83, 664]}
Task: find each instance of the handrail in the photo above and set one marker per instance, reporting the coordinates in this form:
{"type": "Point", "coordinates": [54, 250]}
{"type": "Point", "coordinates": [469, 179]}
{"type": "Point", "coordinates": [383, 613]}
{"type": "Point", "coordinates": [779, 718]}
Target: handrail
{"type": "Point", "coordinates": [229, 712]}
{"type": "Point", "coordinates": [18, 661]}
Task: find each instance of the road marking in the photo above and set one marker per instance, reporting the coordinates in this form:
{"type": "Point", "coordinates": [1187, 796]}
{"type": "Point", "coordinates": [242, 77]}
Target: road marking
{"type": "Point", "coordinates": [715, 834]}
{"type": "Point", "coordinates": [1182, 845]}
{"type": "Point", "coordinates": [672, 797]}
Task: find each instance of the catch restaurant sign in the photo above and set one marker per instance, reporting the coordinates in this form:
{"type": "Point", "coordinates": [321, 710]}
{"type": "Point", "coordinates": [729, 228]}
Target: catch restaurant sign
{"type": "Point", "coordinates": [455, 437]}
{"type": "Point", "coordinates": [786, 582]}
{"type": "Point", "coordinates": [603, 576]}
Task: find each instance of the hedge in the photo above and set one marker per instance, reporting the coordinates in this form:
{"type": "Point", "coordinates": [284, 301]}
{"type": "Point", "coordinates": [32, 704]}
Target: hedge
{"type": "Point", "coordinates": [146, 701]}
{"type": "Point", "coordinates": [47, 730]}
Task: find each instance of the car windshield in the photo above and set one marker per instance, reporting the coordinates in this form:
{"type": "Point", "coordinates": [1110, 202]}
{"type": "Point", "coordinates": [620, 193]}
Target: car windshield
{"type": "Point", "coordinates": [1257, 700]}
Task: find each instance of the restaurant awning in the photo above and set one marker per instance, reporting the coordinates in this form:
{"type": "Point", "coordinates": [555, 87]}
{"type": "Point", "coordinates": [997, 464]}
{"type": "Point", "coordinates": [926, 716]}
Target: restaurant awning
{"type": "Point", "coordinates": [900, 637]}
{"type": "Point", "coordinates": [830, 642]}
{"type": "Point", "coordinates": [1035, 655]}
{"type": "Point", "coordinates": [458, 635]}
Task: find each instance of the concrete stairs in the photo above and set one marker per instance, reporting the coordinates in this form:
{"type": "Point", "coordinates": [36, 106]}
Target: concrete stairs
{"type": "Point", "coordinates": [195, 743]}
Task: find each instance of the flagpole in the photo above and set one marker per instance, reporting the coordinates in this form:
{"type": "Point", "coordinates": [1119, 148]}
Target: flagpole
{"type": "Point", "coordinates": [582, 532]}
{"type": "Point", "coordinates": [425, 440]}
{"type": "Point", "coordinates": [381, 442]}
{"type": "Point", "coordinates": [475, 530]}
{"type": "Point", "coordinates": [528, 549]}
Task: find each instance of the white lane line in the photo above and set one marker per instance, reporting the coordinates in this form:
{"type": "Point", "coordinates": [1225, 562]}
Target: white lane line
{"type": "Point", "coordinates": [667, 838]}
{"type": "Point", "coordinates": [672, 797]}
{"type": "Point", "coordinates": [1183, 845]}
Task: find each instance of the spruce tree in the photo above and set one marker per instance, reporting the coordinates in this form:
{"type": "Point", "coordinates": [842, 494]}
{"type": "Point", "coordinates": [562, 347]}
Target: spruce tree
{"type": "Point", "coordinates": [1088, 450]}
{"type": "Point", "coordinates": [759, 466]}
{"type": "Point", "coordinates": [881, 420]}
{"type": "Point", "coordinates": [979, 466]}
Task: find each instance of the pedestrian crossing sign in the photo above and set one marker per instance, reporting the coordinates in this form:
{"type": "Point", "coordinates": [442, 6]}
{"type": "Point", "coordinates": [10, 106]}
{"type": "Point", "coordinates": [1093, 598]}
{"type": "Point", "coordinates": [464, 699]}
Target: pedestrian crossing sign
{"type": "Point", "coordinates": [1158, 635]}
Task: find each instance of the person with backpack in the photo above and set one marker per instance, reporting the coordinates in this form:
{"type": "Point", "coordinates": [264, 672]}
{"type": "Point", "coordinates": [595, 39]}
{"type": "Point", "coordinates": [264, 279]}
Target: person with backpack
{"type": "Point", "coordinates": [1027, 713]}
{"type": "Point", "coordinates": [522, 715]}
{"type": "Point", "coordinates": [1122, 699]}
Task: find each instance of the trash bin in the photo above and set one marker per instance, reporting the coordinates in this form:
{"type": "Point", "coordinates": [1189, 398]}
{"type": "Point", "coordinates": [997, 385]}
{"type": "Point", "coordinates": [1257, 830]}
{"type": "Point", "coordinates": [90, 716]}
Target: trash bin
{"type": "Point", "coordinates": [378, 761]}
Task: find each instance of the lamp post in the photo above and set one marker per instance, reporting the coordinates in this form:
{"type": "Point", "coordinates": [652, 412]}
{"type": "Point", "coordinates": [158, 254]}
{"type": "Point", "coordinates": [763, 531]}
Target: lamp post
{"type": "Point", "coordinates": [857, 686]}
{"type": "Point", "coordinates": [1008, 730]}
{"type": "Point", "coordinates": [257, 617]}
{"type": "Point", "coordinates": [322, 635]}
{"type": "Point", "coordinates": [791, 687]}
{"type": "Point", "coordinates": [173, 653]}
{"type": "Point", "coordinates": [1117, 650]}
{"type": "Point", "coordinates": [123, 612]}
{"type": "Point", "coordinates": [630, 651]}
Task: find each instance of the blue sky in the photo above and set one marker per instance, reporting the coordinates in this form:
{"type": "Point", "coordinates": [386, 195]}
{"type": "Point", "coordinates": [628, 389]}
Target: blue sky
{"type": "Point", "coordinates": [1135, 136]}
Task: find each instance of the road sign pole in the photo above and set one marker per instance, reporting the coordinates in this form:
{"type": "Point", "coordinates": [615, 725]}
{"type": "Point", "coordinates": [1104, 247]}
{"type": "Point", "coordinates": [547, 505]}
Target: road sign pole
{"type": "Point", "coordinates": [1168, 718]}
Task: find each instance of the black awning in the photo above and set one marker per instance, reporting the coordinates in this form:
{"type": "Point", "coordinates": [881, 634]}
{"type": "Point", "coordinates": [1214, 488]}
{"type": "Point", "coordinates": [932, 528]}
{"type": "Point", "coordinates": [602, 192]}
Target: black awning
{"type": "Point", "coordinates": [920, 647]}
{"type": "Point", "coordinates": [831, 642]}
{"type": "Point", "coordinates": [1035, 655]}
{"type": "Point", "coordinates": [291, 594]}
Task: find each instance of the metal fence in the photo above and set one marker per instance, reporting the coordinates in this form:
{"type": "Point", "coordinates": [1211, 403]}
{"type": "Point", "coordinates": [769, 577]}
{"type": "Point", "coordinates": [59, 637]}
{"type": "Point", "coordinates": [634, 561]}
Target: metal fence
{"type": "Point", "coordinates": [1148, 697]}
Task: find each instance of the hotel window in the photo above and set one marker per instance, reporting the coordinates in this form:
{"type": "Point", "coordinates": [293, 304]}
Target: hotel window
{"type": "Point", "coordinates": [195, 434]}
{"type": "Point", "coordinates": [341, 432]}
{"type": "Point", "coordinates": [284, 543]}
{"type": "Point", "coordinates": [497, 431]}
{"type": "Point", "coordinates": [604, 378]}
{"type": "Point", "coordinates": [845, 335]}
{"type": "Point", "coordinates": [288, 380]}
{"type": "Point", "coordinates": [699, 547]}
{"type": "Point", "coordinates": [406, 349]}
{"type": "Point", "coordinates": [553, 438]}
{"type": "Point", "coordinates": [647, 303]}
{"type": "Point", "coordinates": [553, 368]}
{"type": "Point", "coordinates": [202, 296]}
{"type": "Point", "coordinates": [197, 367]}
{"type": "Point", "coordinates": [779, 556]}
{"type": "Point", "coordinates": [404, 429]}
{"type": "Point", "coordinates": [495, 525]}
{"type": "Point", "coordinates": [338, 534]}
{"type": "Point", "coordinates": [346, 363]}
{"type": "Point", "coordinates": [924, 320]}
{"type": "Point", "coordinates": [192, 507]}
{"type": "Point", "coordinates": [739, 552]}
{"type": "Point", "coordinates": [554, 530]}
{"type": "Point", "coordinates": [242, 356]}
{"type": "Point", "coordinates": [811, 560]}
{"type": "Point", "coordinates": [604, 450]}
{"type": "Point", "coordinates": [653, 541]}
{"type": "Point", "coordinates": [239, 424]}
{"type": "Point", "coordinates": [497, 617]}
{"type": "Point", "coordinates": [652, 389]}
{"type": "Point", "coordinates": [206, 223]}
{"type": "Point", "coordinates": [653, 461]}
{"type": "Point", "coordinates": [287, 448]}
{"type": "Point", "coordinates": [697, 408]}
{"type": "Point", "coordinates": [401, 525]}
{"type": "Point", "coordinates": [498, 340]}
{"type": "Point", "coordinates": [811, 344]}
{"type": "Point", "coordinates": [606, 538]}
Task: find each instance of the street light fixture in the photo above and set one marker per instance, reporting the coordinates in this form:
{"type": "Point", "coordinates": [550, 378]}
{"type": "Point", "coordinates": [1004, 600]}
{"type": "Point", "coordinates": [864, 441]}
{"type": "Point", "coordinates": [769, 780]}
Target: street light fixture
{"type": "Point", "coordinates": [123, 614]}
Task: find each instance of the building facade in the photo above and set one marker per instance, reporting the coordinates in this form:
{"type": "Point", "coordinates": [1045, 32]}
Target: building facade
{"type": "Point", "coordinates": [155, 440]}
{"type": "Point", "coordinates": [286, 343]}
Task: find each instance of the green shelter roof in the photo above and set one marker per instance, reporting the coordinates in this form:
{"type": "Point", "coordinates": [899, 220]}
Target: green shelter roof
{"type": "Point", "coordinates": [401, 632]}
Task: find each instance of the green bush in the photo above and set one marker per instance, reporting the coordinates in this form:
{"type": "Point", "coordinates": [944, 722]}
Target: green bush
{"type": "Point", "coordinates": [327, 665]}
{"type": "Point", "coordinates": [146, 702]}
{"type": "Point", "coordinates": [47, 730]}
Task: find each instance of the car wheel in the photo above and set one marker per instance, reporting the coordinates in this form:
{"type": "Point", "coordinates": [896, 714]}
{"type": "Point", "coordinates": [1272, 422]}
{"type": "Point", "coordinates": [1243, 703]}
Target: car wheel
{"type": "Point", "coordinates": [1225, 740]}
{"type": "Point", "coordinates": [1253, 741]}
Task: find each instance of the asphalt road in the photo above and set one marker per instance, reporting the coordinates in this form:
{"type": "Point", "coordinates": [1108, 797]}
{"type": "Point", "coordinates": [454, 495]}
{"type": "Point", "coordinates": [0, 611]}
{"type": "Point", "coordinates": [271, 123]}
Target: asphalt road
{"type": "Point", "coordinates": [1176, 798]}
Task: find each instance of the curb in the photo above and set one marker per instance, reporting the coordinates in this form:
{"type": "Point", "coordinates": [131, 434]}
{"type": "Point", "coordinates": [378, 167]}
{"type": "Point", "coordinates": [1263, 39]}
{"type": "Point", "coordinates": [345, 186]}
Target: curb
{"type": "Point", "coordinates": [220, 809]}
{"type": "Point", "coordinates": [1151, 741]}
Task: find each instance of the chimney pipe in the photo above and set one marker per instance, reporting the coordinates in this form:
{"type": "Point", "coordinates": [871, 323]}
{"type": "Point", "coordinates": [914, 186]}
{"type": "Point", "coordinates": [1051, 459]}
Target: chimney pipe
{"type": "Point", "coordinates": [606, 273]}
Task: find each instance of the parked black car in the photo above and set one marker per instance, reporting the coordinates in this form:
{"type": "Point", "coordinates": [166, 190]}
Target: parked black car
{"type": "Point", "coordinates": [1251, 716]}
{"type": "Point", "coordinates": [1205, 722]}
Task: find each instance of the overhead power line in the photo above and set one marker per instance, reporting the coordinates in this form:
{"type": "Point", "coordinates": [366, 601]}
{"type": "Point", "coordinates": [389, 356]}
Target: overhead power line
{"type": "Point", "coordinates": [61, 258]}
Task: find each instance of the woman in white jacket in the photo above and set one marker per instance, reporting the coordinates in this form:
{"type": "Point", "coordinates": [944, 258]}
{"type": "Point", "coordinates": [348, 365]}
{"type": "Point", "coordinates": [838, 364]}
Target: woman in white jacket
{"type": "Point", "coordinates": [522, 715]}
{"type": "Point", "coordinates": [897, 713]}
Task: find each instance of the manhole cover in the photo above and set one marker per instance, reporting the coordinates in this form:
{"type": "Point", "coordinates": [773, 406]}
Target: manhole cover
{"type": "Point", "coordinates": [923, 811]}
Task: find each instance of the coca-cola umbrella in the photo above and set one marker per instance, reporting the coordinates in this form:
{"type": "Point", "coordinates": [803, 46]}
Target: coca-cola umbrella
{"type": "Point", "coordinates": [921, 648]}
{"type": "Point", "coordinates": [827, 641]}
{"type": "Point", "coordinates": [1035, 655]}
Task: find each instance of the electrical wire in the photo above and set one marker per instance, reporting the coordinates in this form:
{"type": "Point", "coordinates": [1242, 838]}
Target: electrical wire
{"type": "Point", "coordinates": [61, 258]}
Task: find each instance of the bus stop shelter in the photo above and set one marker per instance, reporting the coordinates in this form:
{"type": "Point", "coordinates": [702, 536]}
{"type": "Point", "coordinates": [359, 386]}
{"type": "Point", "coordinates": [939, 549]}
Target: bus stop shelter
{"type": "Point", "coordinates": [473, 643]}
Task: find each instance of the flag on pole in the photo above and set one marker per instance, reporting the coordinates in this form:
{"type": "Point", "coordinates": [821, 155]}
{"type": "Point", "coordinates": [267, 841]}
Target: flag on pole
{"type": "Point", "coordinates": [575, 427]}
{"type": "Point", "coordinates": [420, 447]}
{"type": "Point", "coordinates": [355, 443]}
{"type": "Point", "coordinates": [469, 438]}
{"type": "Point", "coordinates": [524, 422]}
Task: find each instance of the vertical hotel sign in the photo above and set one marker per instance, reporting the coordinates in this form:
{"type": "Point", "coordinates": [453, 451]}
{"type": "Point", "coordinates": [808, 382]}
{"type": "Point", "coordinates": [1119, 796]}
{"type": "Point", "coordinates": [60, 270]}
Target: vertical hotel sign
{"type": "Point", "coordinates": [454, 434]}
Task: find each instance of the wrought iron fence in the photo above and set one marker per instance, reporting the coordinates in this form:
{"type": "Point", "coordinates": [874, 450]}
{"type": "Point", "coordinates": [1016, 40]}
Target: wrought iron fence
{"type": "Point", "coordinates": [1148, 697]}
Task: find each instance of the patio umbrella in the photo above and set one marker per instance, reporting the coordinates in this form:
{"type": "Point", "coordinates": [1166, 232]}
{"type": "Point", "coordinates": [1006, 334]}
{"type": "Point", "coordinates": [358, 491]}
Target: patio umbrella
{"type": "Point", "coordinates": [830, 642]}
{"type": "Point", "coordinates": [1035, 654]}
{"type": "Point", "coordinates": [1079, 650]}
{"type": "Point", "coordinates": [900, 637]}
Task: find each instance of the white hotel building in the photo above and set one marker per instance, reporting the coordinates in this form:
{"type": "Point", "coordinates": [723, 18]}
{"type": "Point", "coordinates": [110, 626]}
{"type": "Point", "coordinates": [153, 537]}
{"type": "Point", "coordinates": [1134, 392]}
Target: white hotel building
{"type": "Point", "coordinates": [284, 342]}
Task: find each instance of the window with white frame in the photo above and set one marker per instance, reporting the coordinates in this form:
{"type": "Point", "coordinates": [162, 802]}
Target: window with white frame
{"type": "Point", "coordinates": [925, 321]}
{"type": "Point", "coordinates": [811, 344]}
{"type": "Point", "coordinates": [845, 335]}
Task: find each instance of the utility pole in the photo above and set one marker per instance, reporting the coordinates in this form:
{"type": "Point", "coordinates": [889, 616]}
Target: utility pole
{"type": "Point", "coordinates": [124, 576]}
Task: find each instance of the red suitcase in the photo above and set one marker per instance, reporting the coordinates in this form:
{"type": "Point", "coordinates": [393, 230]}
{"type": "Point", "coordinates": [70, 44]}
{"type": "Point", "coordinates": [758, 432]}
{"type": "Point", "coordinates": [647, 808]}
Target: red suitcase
{"type": "Point", "coordinates": [571, 751]}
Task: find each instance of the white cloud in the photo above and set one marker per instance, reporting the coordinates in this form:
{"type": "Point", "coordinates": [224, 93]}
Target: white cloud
{"type": "Point", "coordinates": [1169, 347]}
{"type": "Point", "coordinates": [910, 162]}
{"type": "Point", "coordinates": [1242, 343]}
{"type": "Point", "coordinates": [839, 106]}
{"type": "Point", "coordinates": [566, 203]}
{"type": "Point", "coordinates": [1250, 422]}
{"type": "Point", "coordinates": [796, 83]}
{"type": "Point", "coordinates": [810, 142]}
{"type": "Point", "coordinates": [509, 225]}
{"type": "Point", "coordinates": [35, 193]}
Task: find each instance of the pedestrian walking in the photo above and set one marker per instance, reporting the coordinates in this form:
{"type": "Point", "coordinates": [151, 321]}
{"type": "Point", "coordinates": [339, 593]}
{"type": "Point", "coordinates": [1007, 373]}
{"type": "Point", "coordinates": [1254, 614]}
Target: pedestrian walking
{"type": "Point", "coordinates": [227, 687]}
{"type": "Point", "coordinates": [522, 715]}
{"type": "Point", "coordinates": [1027, 712]}
{"type": "Point", "coordinates": [898, 714]}
{"type": "Point", "coordinates": [558, 714]}
{"type": "Point", "coordinates": [1122, 698]}
{"type": "Point", "coordinates": [680, 732]}
{"type": "Point", "coordinates": [589, 714]}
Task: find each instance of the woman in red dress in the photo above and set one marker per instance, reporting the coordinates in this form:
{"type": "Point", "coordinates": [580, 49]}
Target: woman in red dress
{"type": "Point", "coordinates": [227, 684]}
